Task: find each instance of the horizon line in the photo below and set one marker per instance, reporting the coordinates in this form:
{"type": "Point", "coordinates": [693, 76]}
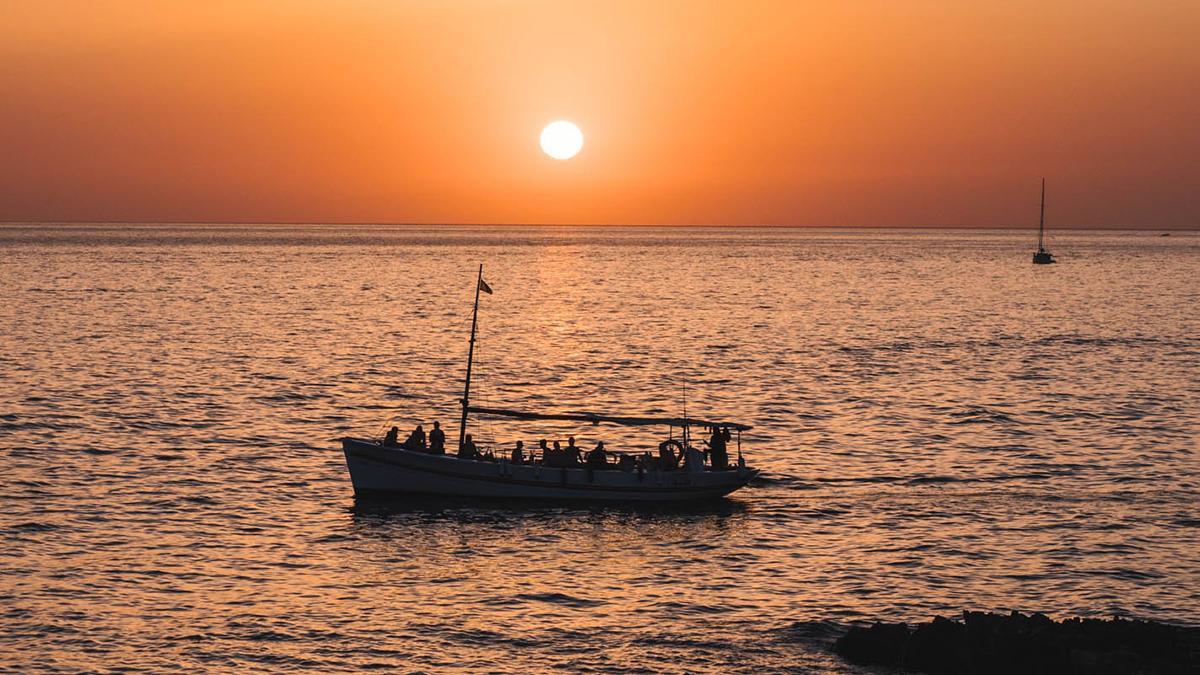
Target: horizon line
{"type": "Point", "coordinates": [1173, 228]}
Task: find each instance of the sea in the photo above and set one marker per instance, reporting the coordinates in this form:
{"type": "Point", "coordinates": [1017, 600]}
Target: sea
{"type": "Point", "coordinates": [941, 426]}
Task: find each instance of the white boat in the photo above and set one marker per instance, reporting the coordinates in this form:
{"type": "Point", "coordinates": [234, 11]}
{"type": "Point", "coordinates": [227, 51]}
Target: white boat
{"type": "Point", "coordinates": [379, 469]}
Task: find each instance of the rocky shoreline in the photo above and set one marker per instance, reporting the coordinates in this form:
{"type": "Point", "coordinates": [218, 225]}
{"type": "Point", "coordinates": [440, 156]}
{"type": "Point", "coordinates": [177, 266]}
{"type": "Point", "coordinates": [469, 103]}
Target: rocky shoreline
{"type": "Point", "coordinates": [982, 643]}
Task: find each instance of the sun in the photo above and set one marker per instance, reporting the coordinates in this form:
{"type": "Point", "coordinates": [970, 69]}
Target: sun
{"type": "Point", "coordinates": [562, 140]}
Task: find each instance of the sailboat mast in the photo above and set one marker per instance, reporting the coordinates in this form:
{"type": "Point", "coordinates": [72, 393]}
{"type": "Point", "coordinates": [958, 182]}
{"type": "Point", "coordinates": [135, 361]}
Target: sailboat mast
{"type": "Point", "coordinates": [1042, 216]}
{"type": "Point", "coordinates": [462, 426]}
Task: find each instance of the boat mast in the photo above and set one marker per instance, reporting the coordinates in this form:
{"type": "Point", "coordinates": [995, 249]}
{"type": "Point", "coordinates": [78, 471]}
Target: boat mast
{"type": "Point", "coordinates": [1042, 216]}
{"type": "Point", "coordinates": [462, 426]}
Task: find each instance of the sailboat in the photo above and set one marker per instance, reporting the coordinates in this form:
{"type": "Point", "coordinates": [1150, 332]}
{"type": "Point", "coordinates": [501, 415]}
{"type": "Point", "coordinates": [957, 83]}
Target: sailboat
{"type": "Point", "coordinates": [1042, 257]}
{"type": "Point", "coordinates": [679, 471]}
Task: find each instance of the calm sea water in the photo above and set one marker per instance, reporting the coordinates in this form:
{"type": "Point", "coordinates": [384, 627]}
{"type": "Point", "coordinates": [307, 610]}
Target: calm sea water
{"type": "Point", "coordinates": [942, 426]}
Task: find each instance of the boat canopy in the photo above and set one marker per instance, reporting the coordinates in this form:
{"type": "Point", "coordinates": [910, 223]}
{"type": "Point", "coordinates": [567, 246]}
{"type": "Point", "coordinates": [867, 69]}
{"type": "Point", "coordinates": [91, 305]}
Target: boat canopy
{"type": "Point", "coordinates": [595, 418]}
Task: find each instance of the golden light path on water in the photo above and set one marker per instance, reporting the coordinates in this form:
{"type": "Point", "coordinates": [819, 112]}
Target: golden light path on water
{"type": "Point", "coordinates": [942, 426]}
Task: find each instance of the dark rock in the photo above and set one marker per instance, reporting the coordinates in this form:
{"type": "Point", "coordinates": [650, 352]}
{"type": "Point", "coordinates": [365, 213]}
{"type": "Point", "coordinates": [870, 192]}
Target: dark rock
{"type": "Point", "coordinates": [991, 644]}
{"type": "Point", "coordinates": [938, 647]}
{"type": "Point", "coordinates": [1015, 643]}
{"type": "Point", "coordinates": [880, 644]}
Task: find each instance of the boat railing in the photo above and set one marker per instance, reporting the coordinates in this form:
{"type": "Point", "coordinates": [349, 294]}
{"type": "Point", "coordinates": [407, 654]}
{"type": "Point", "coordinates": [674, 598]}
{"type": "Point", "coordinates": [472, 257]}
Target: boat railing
{"type": "Point", "coordinates": [501, 451]}
{"type": "Point", "coordinates": [533, 456]}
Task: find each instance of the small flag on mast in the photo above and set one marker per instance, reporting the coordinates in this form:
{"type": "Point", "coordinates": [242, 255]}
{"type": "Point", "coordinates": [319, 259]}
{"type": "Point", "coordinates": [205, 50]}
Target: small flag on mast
{"type": "Point", "coordinates": [484, 287]}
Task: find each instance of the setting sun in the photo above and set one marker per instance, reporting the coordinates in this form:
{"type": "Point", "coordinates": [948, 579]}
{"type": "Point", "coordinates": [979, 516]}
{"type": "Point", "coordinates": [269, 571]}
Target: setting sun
{"type": "Point", "coordinates": [562, 140]}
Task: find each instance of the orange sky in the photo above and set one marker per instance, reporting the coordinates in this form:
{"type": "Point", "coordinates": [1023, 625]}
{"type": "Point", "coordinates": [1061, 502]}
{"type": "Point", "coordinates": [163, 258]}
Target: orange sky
{"type": "Point", "coordinates": [792, 113]}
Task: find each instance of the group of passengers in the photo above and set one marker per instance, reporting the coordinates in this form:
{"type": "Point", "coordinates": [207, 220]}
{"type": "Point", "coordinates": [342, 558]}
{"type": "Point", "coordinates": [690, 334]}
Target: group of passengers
{"type": "Point", "coordinates": [670, 452]}
{"type": "Point", "coordinates": [417, 442]}
{"type": "Point", "coordinates": [435, 444]}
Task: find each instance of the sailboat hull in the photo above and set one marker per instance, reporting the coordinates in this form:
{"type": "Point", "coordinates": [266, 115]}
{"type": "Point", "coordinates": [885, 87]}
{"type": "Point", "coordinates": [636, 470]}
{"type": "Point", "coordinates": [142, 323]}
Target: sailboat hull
{"type": "Point", "coordinates": [378, 471]}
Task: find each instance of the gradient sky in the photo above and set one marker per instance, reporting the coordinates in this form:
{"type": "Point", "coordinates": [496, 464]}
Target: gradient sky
{"type": "Point", "coordinates": [841, 113]}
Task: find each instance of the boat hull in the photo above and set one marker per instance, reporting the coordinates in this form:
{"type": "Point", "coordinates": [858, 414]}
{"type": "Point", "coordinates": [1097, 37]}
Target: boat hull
{"type": "Point", "coordinates": [377, 471]}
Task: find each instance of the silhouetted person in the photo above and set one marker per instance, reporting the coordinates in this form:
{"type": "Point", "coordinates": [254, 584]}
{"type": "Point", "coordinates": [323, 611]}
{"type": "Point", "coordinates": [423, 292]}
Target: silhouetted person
{"type": "Point", "coordinates": [644, 463]}
{"type": "Point", "coordinates": [667, 461]}
{"type": "Point", "coordinates": [415, 440]}
{"type": "Point", "coordinates": [557, 457]}
{"type": "Point", "coordinates": [437, 440]}
{"type": "Point", "coordinates": [718, 449]}
{"type": "Point", "coordinates": [626, 463]}
{"type": "Point", "coordinates": [468, 450]}
{"type": "Point", "coordinates": [598, 458]}
{"type": "Point", "coordinates": [573, 454]}
{"type": "Point", "coordinates": [392, 438]}
{"type": "Point", "coordinates": [545, 452]}
{"type": "Point", "coordinates": [518, 453]}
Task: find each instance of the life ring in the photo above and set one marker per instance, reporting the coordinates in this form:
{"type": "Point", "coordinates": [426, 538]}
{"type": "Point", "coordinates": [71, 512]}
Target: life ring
{"type": "Point", "coordinates": [677, 453]}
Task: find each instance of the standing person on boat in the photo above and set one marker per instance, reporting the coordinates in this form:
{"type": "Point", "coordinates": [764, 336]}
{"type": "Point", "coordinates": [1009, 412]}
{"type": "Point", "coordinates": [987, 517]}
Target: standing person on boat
{"type": "Point", "coordinates": [573, 454]}
{"type": "Point", "coordinates": [718, 449]}
{"type": "Point", "coordinates": [468, 450]}
{"type": "Point", "coordinates": [518, 453]}
{"type": "Point", "coordinates": [392, 438]}
{"type": "Point", "coordinates": [545, 450]}
{"type": "Point", "coordinates": [437, 440]}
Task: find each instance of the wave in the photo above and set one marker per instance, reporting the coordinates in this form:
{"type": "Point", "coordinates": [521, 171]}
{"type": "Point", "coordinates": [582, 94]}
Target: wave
{"type": "Point", "coordinates": [561, 599]}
